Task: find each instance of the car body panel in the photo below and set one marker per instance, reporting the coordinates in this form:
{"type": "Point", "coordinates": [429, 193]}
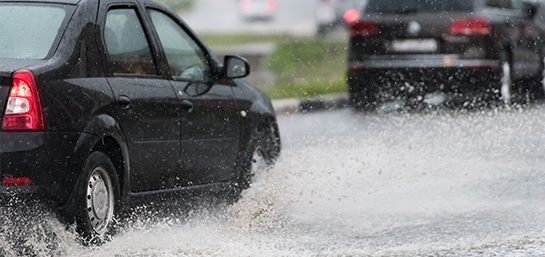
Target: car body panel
{"type": "Point", "coordinates": [139, 120]}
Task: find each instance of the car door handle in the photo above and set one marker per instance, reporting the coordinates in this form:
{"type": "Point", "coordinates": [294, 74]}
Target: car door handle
{"type": "Point", "coordinates": [187, 105]}
{"type": "Point", "coordinates": [124, 102]}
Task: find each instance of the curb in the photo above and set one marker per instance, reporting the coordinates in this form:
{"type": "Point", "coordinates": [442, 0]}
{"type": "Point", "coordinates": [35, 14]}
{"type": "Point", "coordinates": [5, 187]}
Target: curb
{"type": "Point", "coordinates": [325, 102]}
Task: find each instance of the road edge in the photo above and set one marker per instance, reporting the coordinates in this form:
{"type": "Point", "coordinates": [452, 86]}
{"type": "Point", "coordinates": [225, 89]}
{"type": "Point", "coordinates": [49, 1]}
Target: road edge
{"type": "Point", "coordinates": [319, 103]}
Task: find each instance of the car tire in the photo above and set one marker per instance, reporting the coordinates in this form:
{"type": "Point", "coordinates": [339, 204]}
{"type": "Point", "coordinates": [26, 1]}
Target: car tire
{"type": "Point", "coordinates": [261, 152]}
{"type": "Point", "coordinates": [92, 205]}
{"type": "Point", "coordinates": [537, 91]}
{"type": "Point", "coordinates": [503, 92]}
{"type": "Point", "coordinates": [362, 99]}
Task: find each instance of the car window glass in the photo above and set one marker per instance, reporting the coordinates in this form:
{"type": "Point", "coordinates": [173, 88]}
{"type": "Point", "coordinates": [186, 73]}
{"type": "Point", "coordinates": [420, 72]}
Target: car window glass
{"type": "Point", "coordinates": [186, 60]}
{"type": "Point", "coordinates": [128, 49]}
{"type": "Point", "coordinates": [540, 15]}
{"type": "Point", "coordinates": [505, 4]}
{"type": "Point", "coordinates": [414, 6]}
{"type": "Point", "coordinates": [24, 34]}
{"type": "Point", "coordinates": [517, 5]}
{"type": "Point", "coordinates": [500, 4]}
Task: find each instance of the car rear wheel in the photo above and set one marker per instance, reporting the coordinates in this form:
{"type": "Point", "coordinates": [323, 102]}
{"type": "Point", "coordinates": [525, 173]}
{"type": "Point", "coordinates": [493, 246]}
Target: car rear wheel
{"type": "Point", "coordinates": [361, 95]}
{"type": "Point", "coordinates": [93, 203]}
{"type": "Point", "coordinates": [537, 91]}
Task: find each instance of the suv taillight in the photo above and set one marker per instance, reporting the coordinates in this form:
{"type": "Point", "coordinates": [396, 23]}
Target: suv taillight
{"type": "Point", "coordinates": [470, 26]}
{"type": "Point", "coordinates": [351, 16]}
{"type": "Point", "coordinates": [23, 109]}
{"type": "Point", "coordinates": [364, 29]}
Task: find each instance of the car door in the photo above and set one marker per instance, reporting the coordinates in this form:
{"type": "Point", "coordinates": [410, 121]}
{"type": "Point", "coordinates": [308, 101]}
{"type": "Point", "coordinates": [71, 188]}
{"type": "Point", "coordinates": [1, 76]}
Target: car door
{"type": "Point", "coordinates": [209, 119]}
{"type": "Point", "coordinates": [146, 107]}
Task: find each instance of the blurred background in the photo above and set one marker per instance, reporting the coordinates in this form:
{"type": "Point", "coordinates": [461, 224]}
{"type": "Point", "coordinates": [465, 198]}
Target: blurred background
{"type": "Point", "coordinates": [297, 49]}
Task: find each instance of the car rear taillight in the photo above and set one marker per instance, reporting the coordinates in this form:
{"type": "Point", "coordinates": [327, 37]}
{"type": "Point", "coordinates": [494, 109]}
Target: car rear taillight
{"type": "Point", "coordinates": [470, 26]}
{"type": "Point", "coordinates": [244, 5]}
{"type": "Point", "coordinates": [271, 5]}
{"type": "Point", "coordinates": [364, 29]}
{"type": "Point", "coordinates": [351, 16]}
{"type": "Point", "coordinates": [16, 181]}
{"type": "Point", "coordinates": [23, 109]}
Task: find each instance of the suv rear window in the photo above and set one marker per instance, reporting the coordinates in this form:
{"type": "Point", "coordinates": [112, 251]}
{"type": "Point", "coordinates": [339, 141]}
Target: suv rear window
{"type": "Point", "coordinates": [29, 31]}
{"type": "Point", "coordinates": [416, 6]}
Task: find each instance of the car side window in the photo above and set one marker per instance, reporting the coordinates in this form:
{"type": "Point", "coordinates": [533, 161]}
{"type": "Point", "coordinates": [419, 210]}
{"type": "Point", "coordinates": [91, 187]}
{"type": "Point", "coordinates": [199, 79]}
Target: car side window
{"type": "Point", "coordinates": [506, 4]}
{"type": "Point", "coordinates": [186, 60]}
{"type": "Point", "coordinates": [500, 4]}
{"type": "Point", "coordinates": [127, 47]}
{"type": "Point", "coordinates": [517, 5]}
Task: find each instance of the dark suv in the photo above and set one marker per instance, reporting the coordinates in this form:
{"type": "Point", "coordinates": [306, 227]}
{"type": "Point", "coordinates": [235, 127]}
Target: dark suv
{"type": "Point", "coordinates": [105, 102]}
{"type": "Point", "coordinates": [475, 50]}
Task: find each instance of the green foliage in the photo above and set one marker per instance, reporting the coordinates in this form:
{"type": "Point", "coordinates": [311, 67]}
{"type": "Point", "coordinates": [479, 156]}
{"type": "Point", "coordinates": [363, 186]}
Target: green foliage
{"type": "Point", "coordinates": [238, 39]}
{"type": "Point", "coordinates": [307, 67]}
{"type": "Point", "coordinates": [304, 67]}
{"type": "Point", "coordinates": [179, 5]}
{"type": "Point", "coordinates": [307, 88]}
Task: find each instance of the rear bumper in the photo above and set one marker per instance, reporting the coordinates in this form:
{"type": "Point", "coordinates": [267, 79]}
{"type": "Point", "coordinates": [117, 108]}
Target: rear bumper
{"type": "Point", "coordinates": [389, 77]}
{"type": "Point", "coordinates": [422, 61]}
{"type": "Point", "coordinates": [257, 14]}
{"type": "Point", "coordinates": [50, 160]}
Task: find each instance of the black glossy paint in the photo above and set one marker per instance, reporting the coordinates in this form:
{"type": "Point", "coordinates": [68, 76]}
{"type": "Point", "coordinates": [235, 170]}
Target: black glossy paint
{"type": "Point", "coordinates": [461, 64]}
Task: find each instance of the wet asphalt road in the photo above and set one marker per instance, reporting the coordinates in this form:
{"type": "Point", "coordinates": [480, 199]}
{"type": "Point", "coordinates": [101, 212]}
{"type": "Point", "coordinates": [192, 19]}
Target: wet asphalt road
{"type": "Point", "coordinates": [440, 183]}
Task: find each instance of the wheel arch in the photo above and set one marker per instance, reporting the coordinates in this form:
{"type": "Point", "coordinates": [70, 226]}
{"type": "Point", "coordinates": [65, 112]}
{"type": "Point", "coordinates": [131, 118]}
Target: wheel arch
{"type": "Point", "coordinates": [104, 134]}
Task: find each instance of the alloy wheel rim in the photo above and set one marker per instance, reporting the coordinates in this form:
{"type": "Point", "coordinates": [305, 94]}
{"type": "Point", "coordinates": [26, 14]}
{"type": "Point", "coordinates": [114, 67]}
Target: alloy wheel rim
{"type": "Point", "coordinates": [258, 161]}
{"type": "Point", "coordinates": [100, 200]}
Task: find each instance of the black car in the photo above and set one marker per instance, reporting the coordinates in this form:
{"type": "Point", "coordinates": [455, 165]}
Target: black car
{"type": "Point", "coordinates": [105, 102]}
{"type": "Point", "coordinates": [471, 50]}
{"type": "Point", "coordinates": [540, 14]}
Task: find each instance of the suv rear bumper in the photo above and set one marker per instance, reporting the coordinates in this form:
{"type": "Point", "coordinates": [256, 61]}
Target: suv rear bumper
{"type": "Point", "coordinates": [421, 61]}
{"type": "Point", "coordinates": [414, 78]}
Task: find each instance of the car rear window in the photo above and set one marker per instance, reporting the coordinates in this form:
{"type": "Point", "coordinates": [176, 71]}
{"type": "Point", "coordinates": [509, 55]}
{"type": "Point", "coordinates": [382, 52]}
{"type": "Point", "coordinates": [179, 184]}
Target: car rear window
{"type": "Point", "coordinates": [29, 31]}
{"type": "Point", "coordinates": [416, 6]}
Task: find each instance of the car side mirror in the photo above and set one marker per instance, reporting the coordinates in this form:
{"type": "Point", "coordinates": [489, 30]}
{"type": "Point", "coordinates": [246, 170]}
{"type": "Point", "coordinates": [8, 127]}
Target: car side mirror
{"type": "Point", "coordinates": [235, 67]}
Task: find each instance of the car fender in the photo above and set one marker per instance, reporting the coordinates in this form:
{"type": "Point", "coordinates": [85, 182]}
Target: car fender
{"type": "Point", "coordinates": [259, 110]}
{"type": "Point", "coordinates": [104, 134]}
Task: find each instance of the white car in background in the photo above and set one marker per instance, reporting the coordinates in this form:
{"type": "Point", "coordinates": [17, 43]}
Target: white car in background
{"type": "Point", "coordinates": [257, 10]}
{"type": "Point", "coordinates": [333, 13]}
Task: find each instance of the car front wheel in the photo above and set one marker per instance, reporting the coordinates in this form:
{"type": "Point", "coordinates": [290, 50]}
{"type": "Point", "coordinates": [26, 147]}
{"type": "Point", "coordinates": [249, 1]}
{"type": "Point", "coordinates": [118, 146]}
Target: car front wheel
{"type": "Point", "coordinates": [261, 152]}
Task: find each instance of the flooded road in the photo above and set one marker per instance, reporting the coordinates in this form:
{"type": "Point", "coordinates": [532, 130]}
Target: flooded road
{"type": "Point", "coordinates": [351, 184]}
